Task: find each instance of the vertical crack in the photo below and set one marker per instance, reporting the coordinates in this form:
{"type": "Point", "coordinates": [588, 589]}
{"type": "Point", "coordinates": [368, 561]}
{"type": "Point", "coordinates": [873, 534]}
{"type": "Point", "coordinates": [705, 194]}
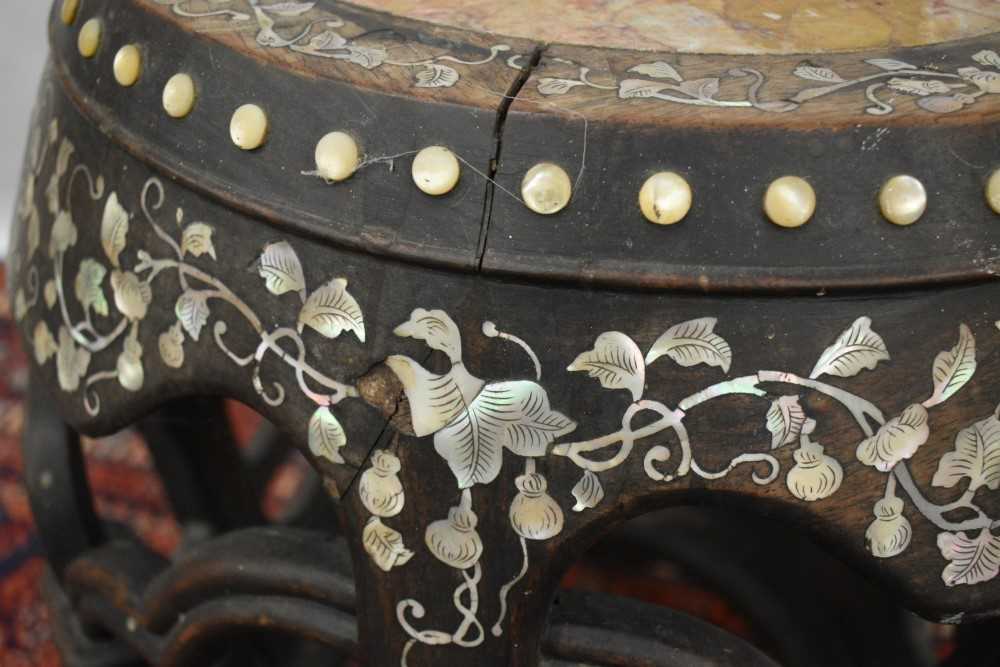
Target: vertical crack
{"type": "Point", "coordinates": [390, 399]}
{"type": "Point", "coordinates": [498, 131]}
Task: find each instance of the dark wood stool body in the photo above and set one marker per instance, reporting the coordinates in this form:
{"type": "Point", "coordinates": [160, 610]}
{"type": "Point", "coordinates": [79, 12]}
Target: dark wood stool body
{"type": "Point", "coordinates": [486, 390]}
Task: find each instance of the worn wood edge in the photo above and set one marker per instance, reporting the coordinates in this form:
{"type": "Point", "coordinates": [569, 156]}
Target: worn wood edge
{"type": "Point", "coordinates": [726, 280]}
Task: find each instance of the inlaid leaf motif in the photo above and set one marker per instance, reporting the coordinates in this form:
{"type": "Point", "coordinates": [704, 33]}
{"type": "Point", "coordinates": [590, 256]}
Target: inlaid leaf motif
{"type": "Point", "coordinates": [114, 228]}
{"type": "Point", "coordinates": [44, 344]}
{"type": "Point", "coordinates": [638, 88]}
{"type": "Point", "coordinates": [331, 310]}
{"type": "Point", "coordinates": [384, 545]}
{"type": "Point", "coordinates": [692, 343]}
{"type": "Point", "coordinates": [918, 86]}
{"type": "Point", "coordinates": [52, 194]}
{"type": "Point", "coordinates": [71, 361]}
{"type": "Point", "coordinates": [702, 89]}
{"type": "Point", "coordinates": [987, 81]}
{"type": "Point", "coordinates": [553, 86]}
{"type": "Point", "coordinates": [326, 436]}
{"type": "Point", "coordinates": [857, 348]}
{"type": "Point", "coordinates": [66, 150]}
{"type": "Point", "coordinates": [328, 39]}
{"type": "Point", "coordinates": [88, 288]}
{"type": "Point", "coordinates": [368, 57]}
{"type": "Point", "coordinates": [953, 368]}
{"type": "Point", "coordinates": [63, 235]}
{"type": "Point", "coordinates": [192, 312]}
{"type": "Point", "coordinates": [987, 58]}
{"type": "Point", "coordinates": [129, 365]}
{"type": "Point", "coordinates": [817, 73]}
{"type": "Point", "coordinates": [897, 439]}
{"type": "Point", "coordinates": [33, 233]}
{"type": "Point", "coordinates": [514, 415]}
{"type": "Point", "coordinates": [20, 305]}
{"type": "Point", "coordinates": [435, 400]}
{"type": "Point", "coordinates": [288, 8]}
{"type": "Point", "coordinates": [281, 270]}
{"type": "Point", "coordinates": [889, 64]}
{"type": "Point", "coordinates": [941, 103]}
{"type": "Point", "coordinates": [52, 190]}
{"type": "Point", "coordinates": [197, 240]}
{"type": "Point", "coordinates": [435, 328]}
{"type": "Point", "coordinates": [588, 492]}
{"type": "Point", "coordinates": [785, 419]}
{"type": "Point", "coordinates": [972, 560]}
{"type": "Point", "coordinates": [657, 70]}
{"type": "Point", "coordinates": [132, 295]}
{"type": "Point", "coordinates": [50, 293]}
{"type": "Point", "coordinates": [976, 456]}
{"type": "Point", "coordinates": [171, 344]}
{"type": "Point", "coordinates": [435, 75]}
{"type": "Point", "coordinates": [616, 362]}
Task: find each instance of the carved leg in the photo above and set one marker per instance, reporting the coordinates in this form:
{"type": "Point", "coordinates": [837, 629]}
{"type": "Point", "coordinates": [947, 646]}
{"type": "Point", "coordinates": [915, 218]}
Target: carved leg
{"type": "Point", "coordinates": [56, 481]}
{"type": "Point", "coordinates": [431, 591]}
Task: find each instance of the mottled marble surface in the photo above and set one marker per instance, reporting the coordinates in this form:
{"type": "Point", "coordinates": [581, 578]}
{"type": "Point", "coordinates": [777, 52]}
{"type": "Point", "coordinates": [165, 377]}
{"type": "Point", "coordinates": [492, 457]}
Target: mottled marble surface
{"type": "Point", "coordinates": [714, 26]}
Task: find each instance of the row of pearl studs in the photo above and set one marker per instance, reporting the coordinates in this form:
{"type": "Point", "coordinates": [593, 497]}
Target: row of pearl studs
{"type": "Point", "coordinates": [790, 201]}
{"type": "Point", "coordinates": [665, 198]}
{"type": "Point", "coordinates": [436, 169]}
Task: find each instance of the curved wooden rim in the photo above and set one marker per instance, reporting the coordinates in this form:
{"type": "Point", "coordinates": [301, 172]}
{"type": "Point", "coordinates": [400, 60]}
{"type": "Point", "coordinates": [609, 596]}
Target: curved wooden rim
{"type": "Point", "coordinates": [486, 86]}
{"type": "Point", "coordinates": [836, 112]}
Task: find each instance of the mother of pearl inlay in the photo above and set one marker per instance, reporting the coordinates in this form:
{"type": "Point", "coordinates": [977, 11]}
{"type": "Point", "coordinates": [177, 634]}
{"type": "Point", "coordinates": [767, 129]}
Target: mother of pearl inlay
{"type": "Point", "coordinates": [902, 200]}
{"type": "Point", "coordinates": [248, 127]}
{"type": "Point", "coordinates": [337, 156]}
{"type": "Point", "coordinates": [546, 188]}
{"type": "Point", "coordinates": [89, 39]}
{"type": "Point", "coordinates": [179, 95]}
{"type": "Point", "coordinates": [993, 191]}
{"type": "Point", "coordinates": [665, 198]}
{"type": "Point", "coordinates": [436, 170]}
{"type": "Point", "coordinates": [790, 201]}
{"type": "Point", "coordinates": [69, 11]}
{"type": "Point", "coordinates": [128, 65]}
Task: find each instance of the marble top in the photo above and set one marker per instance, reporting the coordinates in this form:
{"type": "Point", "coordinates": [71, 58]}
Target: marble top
{"type": "Point", "coordinates": [714, 26]}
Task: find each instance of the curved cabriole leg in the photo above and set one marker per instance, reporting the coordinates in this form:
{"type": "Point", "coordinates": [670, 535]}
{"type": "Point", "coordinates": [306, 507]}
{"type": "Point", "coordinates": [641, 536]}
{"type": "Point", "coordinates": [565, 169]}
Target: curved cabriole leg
{"type": "Point", "coordinates": [62, 507]}
{"type": "Point", "coordinates": [56, 481]}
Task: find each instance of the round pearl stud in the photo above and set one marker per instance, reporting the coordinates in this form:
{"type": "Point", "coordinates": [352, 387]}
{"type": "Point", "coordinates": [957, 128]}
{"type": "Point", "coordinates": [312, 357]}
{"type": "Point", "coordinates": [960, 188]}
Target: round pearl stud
{"type": "Point", "coordinates": [790, 201]}
{"type": "Point", "coordinates": [89, 39]}
{"type": "Point", "coordinates": [902, 200]}
{"type": "Point", "coordinates": [546, 188]}
{"type": "Point", "coordinates": [337, 156]}
{"type": "Point", "coordinates": [436, 170]}
{"type": "Point", "coordinates": [69, 10]}
{"type": "Point", "coordinates": [993, 191]}
{"type": "Point", "coordinates": [179, 96]}
{"type": "Point", "coordinates": [248, 127]}
{"type": "Point", "coordinates": [665, 198]}
{"type": "Point", "coordinates": [128, 65]}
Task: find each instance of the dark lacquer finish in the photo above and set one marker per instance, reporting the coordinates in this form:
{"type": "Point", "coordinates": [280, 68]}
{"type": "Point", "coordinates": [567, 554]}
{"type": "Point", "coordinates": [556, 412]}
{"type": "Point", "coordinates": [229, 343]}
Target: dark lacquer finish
{"type": "Point", "coordinates": [485, 391]}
